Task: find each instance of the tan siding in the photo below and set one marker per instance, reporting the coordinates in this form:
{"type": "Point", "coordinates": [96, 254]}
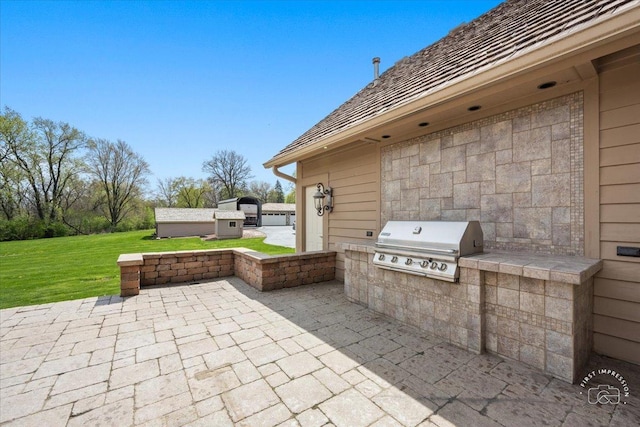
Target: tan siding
{"type": "Point", "coordinates": [617, 347]}
{"type": "Point", "coordinates": [185, 229]}
{"type": "Point", "coordinates": [608, 251]}
{"type": "Point", "coordinates": [621, 270]}
{"type": "Point", "coordinates": [370, 215]}
{"type": "Point", "coordinates": [622, 174]}
{"type": "Point", "coordinates": [618, 117]}
{"type": "Point", "coordinates": [347, 232]}
{"type": "Point", "coordinates": [620, 136]}
{"type": "Point", "coordinates": [617, 285]}
{"type": "Point", "coordinates": [612, 326]}
{"type": "Point", "coordinates": [620, 98]}
{"type": "Point", "coordinates": [621, 232]}
{"type": "Point", "coordinates": [619, 79]}
{"type": "Point", "coordinates": [621, 155]}
{"type": "Point", "coordinates": [620, 213]}
{"type": "Point", "coordinates": [626, 193]}
{"type": "Point", "coordinates": [354, 224]}
{"type": "Point", "coordinates": [356, 207]}
{"type": "Point", "coordinates": [616, 289]}
{"type": "Point", "coordinates": [616, 308]}
{"type": "Point", "coordinates": [364, 179]}
{"type": "Point", "coordinates": [353, 186]}
{"type": "Point", "coordinates": [362, 196]}
{"type": "Point", "coordinates": [354, 176]}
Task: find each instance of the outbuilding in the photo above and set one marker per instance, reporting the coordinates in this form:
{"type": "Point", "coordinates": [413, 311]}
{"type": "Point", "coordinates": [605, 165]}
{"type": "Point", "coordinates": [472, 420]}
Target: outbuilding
{"type": "Point", "coordinates": [183, 222]}
{"type": "Point", "coordinates": [229, 224]}
{"type": "Point", "coordinates": [251, 207]}
{"type": "Point", "coordinates": [278, 213]}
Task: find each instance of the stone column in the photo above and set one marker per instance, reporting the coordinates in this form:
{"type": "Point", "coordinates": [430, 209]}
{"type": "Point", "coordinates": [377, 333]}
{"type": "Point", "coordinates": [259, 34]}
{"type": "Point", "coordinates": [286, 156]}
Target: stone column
{"type": "Point", "coordinates": [130, 274]}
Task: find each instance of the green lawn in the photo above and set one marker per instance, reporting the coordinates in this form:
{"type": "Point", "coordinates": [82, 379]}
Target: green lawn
{"type": "Point", "coordinates": [65, 268]}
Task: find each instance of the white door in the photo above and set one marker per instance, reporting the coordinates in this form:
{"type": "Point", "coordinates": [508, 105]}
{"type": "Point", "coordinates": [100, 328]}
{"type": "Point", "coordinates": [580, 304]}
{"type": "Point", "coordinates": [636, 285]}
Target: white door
{"type": "Point", "coordinates": [313, 222]}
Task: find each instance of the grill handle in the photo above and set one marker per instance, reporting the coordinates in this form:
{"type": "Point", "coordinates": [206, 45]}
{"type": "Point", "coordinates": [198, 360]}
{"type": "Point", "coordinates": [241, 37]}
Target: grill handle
{"type": "Point", "coordinates": [442, 251]}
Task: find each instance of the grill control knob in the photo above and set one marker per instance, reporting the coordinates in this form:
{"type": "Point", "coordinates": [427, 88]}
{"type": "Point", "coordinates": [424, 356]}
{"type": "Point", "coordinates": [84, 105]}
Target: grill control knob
{"type": "Point", "coordinates": [424, 264]}
{"type": "Point", "coordinates": [442, 267]}
{"type": "Point", "coordinates": [409, 261]}
{"type": "Point", "coordinates": [394, 259]}
{"type": "Point", "coordinates": [381, 257]}
{"type": "Point", "coordinates": [433, 265]}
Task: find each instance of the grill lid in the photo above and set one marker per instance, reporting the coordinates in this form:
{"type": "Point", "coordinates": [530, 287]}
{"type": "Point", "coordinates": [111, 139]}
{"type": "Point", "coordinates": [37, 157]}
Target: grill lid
{"type": "Point", "coordinates": [452, 238]}
{"type": "Point", "coordinates": [427, 248]}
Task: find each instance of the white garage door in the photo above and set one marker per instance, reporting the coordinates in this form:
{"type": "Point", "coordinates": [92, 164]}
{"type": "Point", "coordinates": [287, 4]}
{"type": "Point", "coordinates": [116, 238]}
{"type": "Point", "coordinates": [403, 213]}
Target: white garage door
{"type": "Point", "coordinates": [274, 219]}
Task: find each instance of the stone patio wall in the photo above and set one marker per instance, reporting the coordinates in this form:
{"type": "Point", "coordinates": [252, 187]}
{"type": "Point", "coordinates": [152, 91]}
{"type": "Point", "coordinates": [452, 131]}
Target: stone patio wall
{"type": "Point", "coordinates": [263, 272]}
{"type": "Point", "coordinates": [519, 173]}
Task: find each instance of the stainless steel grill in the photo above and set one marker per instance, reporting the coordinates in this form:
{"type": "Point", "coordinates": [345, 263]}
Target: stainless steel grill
{"type": "Point", "coordinates": [427, 248]}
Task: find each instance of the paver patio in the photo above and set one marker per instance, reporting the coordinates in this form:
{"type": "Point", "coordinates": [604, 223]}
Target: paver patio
{"type": "Point", "coordinates": [221, 353]}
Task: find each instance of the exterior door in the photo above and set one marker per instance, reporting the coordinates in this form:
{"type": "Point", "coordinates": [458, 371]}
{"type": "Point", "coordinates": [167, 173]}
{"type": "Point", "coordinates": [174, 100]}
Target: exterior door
{"type": "Point", "coordinates": [313, 222]}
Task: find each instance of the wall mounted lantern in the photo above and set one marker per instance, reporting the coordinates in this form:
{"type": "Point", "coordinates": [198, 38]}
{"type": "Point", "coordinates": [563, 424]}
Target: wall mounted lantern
{"type": "Point", "coordinates": [319, 199]}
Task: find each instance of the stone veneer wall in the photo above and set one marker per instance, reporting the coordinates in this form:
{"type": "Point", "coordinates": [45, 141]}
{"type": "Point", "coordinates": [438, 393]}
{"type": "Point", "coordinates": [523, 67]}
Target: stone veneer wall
{"type": "Point", "coordinates": [519, 173]}
{"type": "Point", "coordinates": [263, 272]}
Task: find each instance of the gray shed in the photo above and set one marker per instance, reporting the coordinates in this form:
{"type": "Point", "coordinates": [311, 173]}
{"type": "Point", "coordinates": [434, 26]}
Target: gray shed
{"type": "Point", "coordinates": [229, 224]}
{"type": "Point", "coordinates": [182, 222]}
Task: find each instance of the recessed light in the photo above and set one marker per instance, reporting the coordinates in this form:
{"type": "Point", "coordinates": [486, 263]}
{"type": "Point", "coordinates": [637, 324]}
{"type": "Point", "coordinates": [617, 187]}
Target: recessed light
{"type": "Point", "coordinates": [386, 136]}
{"type": "Point", "coordinates": [423, 124]}
{"type": "Point", "coordinates": [474, 108]}
{"type": "Point", "coordinates": [547, 85]}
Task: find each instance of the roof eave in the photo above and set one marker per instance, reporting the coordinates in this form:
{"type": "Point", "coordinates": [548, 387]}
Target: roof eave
{"type": "Point", "coordinates": [581, 39]}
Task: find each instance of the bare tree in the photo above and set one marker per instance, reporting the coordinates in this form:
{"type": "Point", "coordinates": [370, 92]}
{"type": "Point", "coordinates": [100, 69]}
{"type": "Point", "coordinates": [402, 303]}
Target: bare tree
{"type": "Point", "coordinates": [183, 192]}
{"type": "Point", "coordinates": [121, 174]}
{"type": "Point", "coordinates": [191, 192]}
{"type": "Point", "coordinates": [168, 191]}
{"type": "Point", "coordinates": [12, 190]}
{"type": "Point", "coordinates": [260, 189]}
{"type": "Point", "coordinates": [44, 155]}
{"type": "Point", "coordinates": [228, 171]}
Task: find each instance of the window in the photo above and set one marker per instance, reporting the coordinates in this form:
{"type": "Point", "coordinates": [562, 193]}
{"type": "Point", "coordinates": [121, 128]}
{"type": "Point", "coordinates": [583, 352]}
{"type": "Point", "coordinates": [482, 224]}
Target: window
{"type": "Point", "coordinates": [232, 224]}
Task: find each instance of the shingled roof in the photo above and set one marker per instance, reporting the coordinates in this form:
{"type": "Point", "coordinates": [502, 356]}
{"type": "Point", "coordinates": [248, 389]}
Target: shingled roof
{"type": "Point", "coordinates": [507, 31]}
{"type": "Point", "coordinates": [184, 215]}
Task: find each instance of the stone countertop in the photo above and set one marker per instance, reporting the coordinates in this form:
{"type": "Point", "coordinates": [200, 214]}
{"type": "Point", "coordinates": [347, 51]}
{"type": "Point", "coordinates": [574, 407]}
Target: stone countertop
{"type": "Point", "coordinates": [558, 268]}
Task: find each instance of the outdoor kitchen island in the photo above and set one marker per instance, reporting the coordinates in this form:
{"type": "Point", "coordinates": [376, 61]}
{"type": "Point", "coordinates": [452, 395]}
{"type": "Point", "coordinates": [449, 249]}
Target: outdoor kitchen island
{"type": "Point", "coordinates": [536, 309]}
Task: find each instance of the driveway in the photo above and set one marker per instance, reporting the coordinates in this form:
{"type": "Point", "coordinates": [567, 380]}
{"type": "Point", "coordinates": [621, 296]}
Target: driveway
{"type": "Point", "coordinates": [283, 235]}
{"type": "Point", "coordinates": [222, 353]}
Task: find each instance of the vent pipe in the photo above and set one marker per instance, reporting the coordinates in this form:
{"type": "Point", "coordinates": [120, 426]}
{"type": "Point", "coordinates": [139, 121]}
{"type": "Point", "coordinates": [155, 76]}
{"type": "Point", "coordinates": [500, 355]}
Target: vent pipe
{"type": "Point", "coordinates": [376, 70]}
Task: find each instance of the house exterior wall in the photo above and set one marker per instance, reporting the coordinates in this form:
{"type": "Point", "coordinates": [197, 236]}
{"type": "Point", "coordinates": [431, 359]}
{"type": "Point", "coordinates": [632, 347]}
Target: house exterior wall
{"type": "Point", "coordinates": [354, 176]}
{"type": "Point", "coordinates": [554, 172]}
{"type": "Point", "coordinates": [184, 229]}
{"type": "Point", "coordinates": [519, 173]}
{"type": "Point", "coordinates": [617, 286]}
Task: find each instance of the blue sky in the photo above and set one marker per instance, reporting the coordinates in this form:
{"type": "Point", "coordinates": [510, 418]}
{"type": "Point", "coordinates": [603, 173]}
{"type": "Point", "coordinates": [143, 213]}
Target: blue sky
{"type": "Point", "coordinates": [179, 80]}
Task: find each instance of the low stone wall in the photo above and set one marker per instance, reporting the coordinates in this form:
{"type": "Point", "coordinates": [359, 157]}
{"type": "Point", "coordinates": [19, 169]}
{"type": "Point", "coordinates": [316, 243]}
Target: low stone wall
{"type": "Point", "coordinates": [527, 307]}
{"type": "Point", "coordinates": [267, 273]}
{"type": "Point", "coordinates": [263, 272]}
